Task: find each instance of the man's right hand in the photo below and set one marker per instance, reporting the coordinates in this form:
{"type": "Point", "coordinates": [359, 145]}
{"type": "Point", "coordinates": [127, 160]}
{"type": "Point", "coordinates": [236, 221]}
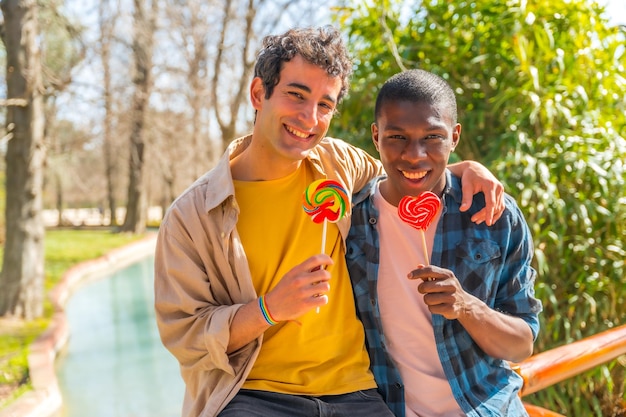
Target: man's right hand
{"type": "Point", "coordinates": [303, 288]}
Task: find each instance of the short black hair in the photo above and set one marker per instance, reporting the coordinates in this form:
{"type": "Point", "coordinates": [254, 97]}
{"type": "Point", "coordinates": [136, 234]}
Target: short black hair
{"type": "Point", "coordinates": [417, 86]}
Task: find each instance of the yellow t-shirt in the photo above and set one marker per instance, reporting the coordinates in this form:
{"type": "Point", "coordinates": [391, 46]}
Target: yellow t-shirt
{"type": "Point", "coordinates": [325, 355]}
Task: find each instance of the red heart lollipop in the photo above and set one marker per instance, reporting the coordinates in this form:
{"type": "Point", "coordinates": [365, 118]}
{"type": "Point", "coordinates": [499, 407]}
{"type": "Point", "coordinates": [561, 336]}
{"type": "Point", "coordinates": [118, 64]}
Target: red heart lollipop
{"type": "Point", "coordinates": [419, 211]}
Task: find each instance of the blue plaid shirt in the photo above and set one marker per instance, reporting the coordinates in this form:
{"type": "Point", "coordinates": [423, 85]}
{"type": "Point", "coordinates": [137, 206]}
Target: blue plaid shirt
{"type": "Point", "coordinates": [492, 263]}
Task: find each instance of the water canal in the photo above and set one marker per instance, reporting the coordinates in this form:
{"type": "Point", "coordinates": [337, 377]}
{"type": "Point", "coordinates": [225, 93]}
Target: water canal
{"type": "Point", "coordinates": [114, 364]}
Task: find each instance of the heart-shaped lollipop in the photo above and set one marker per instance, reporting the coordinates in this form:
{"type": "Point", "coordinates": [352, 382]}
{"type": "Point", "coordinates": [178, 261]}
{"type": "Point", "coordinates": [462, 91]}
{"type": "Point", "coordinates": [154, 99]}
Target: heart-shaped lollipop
{"type": "Point", "coordinates": [419, 211]}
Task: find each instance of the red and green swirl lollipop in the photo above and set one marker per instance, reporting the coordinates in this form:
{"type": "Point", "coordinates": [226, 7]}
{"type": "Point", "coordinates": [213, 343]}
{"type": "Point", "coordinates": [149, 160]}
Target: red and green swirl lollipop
{"type": "Point", "coordinates": [325, 200]}
{"type": "Point", "coordinates": [419, 212]}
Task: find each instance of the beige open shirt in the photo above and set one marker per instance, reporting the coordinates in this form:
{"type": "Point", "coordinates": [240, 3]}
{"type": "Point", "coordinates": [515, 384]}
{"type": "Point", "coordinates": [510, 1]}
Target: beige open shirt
{"type": "Point", "coordinates": [202, 276]}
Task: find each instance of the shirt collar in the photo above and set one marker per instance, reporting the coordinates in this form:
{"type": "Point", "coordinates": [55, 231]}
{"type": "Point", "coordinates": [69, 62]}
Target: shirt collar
{"type": "Point", "coordinates": [453, 187]}
{"type": "Point", "coordinates": [220, 177]}
{"type": "Point", "coordinates": [368, 191]}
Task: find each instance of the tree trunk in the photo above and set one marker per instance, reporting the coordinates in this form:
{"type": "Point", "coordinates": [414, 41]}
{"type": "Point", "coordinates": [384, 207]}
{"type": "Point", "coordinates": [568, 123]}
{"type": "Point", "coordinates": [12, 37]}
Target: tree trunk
{"type": "Point", "coordinates": [227, 120]}
{"type": "Point", "coordinates": [22, 275]}
{"type": "Point", "coordinates": [144, 19]}
{"type": "Point", "coordinates": [58, 182]}
{"type": "Point", "coordinates": [110, 158]}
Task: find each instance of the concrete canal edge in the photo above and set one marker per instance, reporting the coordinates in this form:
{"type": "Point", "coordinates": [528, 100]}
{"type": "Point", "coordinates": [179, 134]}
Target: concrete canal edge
{"type": "Point", "coordinates": [45, 399]}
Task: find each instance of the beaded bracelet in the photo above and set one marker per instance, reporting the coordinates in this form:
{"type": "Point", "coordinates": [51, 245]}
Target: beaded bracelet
{"type": "Point", "coordinates": [266, 313]}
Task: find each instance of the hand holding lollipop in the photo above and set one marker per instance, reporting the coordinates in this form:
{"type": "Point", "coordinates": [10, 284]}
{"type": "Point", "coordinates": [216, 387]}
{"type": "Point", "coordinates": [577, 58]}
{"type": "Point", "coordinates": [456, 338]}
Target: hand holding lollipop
{"type": "Point", "coordinates": [325, 200]}
{"type": "Point", "coordinates": [419, 212]}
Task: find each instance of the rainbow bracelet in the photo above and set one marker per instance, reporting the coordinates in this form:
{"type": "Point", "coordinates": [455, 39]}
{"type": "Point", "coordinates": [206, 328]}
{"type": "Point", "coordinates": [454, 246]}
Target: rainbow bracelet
{"type": "Point", "coordinates": [266, 313]}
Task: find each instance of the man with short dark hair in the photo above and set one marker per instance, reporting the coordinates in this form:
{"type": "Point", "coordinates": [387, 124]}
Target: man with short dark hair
{"type": "Point", "coordinates": [445, 306]}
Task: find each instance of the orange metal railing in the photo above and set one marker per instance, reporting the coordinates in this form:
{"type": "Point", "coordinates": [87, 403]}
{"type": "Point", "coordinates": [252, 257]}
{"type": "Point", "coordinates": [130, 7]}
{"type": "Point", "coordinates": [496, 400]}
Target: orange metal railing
{"type": "Point", "coordinates": [534, 411]}
{"type": "Point", "coordinates": [558, 364]}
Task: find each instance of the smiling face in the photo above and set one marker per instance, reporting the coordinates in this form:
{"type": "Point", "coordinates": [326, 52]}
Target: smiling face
{"type": "Point", "coordinates": [414, 140]}
{"type": "Point", "coordinates": [295, 118]}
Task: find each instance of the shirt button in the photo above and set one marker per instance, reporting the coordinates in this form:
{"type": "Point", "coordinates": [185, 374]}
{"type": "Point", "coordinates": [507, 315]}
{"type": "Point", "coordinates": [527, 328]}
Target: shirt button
{"type": "Point", "coordinates": [372, 220]}
{"type": "Point", "coordinates": [372, 301]}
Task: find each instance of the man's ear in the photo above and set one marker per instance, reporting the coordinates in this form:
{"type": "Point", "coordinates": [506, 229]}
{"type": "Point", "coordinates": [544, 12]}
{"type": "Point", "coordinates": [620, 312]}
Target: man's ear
{"type": "Point", "coordinates": [375, 135]}
{"type": "Point", "coordinates": [257, 93]}
{"type": "Point", "coordinates": [456, 135]}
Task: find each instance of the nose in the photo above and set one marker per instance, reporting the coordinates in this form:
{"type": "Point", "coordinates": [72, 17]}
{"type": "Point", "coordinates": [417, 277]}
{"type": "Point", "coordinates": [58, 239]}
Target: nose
{"type": "Point", "coordinates": [308, 115]}
{"type": "Point", "coordinates": [414, 150]}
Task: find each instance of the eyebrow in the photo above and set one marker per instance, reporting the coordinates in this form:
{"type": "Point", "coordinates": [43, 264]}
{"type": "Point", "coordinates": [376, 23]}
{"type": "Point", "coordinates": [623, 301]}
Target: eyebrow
{"type": "Point", "coordinates": [430, 128]}
{"type": "Point", "coordinates": [308, 90]}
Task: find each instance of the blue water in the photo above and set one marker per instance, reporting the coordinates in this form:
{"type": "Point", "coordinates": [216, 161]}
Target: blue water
{"type": "Point", "coordinates": [114, 364]}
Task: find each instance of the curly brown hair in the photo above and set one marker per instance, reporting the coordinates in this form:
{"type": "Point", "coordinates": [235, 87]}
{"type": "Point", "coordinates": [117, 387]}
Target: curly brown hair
{"type": "Point", "coordinates": [321, 46]}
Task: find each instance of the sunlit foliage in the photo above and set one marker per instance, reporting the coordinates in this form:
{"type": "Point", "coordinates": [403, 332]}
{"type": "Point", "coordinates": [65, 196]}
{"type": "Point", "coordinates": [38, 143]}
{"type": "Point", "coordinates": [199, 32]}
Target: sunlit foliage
{"type": "Point", "coordinates": [542, 99]}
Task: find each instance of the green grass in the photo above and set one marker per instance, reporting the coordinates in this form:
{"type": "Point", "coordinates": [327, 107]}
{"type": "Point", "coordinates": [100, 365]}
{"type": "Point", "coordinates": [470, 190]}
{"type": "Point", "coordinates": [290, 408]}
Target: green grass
{"type": "Point", "coordinates": [15, 337]}
{"type": "Point", "coordinates": [64, 249]}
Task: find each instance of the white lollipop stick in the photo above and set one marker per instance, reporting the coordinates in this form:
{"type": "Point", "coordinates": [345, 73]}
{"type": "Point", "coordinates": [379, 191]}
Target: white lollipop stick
{"type": "Point", "coordinates": [317, 310]}
{"type": "Point", "coordinates": [424, 246]}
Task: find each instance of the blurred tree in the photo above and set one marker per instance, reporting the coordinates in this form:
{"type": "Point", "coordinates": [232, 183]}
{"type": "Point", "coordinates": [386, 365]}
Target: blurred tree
{"type": "Point", "coordinates": [64, 50]}
{"type": "Point", "coordinates": [21, 278]}
{"type": "Point", "coordinates": [145, 14]}
{"type": "Point", "coordinates": [193, 23]}
{"type": "Point", "coordinates": [108, 13]}
{"type": "Point", "coordinates": [63, 173]}
{"type": "Point", "coordinates": [542, 100]}
{"type": "Point", "coordinates": [31, 89]}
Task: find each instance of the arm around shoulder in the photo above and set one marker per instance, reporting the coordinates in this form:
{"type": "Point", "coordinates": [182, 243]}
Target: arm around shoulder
{"type": "Point", "coordinates": [476, 178]}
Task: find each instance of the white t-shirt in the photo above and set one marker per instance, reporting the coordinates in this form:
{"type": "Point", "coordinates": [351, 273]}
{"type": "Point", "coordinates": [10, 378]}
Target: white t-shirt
{"type": "Point", "coordinates": [405, 317]}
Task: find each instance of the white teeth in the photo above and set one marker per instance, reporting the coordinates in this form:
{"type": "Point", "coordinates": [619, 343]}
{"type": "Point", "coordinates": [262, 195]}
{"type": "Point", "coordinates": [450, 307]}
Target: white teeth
{"type": "Point", "coordinates": [414, 175]}
{"type": "Point", "coordinates": [296, 132]}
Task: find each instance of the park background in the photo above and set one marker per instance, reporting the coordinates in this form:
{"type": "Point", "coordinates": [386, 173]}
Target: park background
{"type": "Point", "coordinates": [134, 100]}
